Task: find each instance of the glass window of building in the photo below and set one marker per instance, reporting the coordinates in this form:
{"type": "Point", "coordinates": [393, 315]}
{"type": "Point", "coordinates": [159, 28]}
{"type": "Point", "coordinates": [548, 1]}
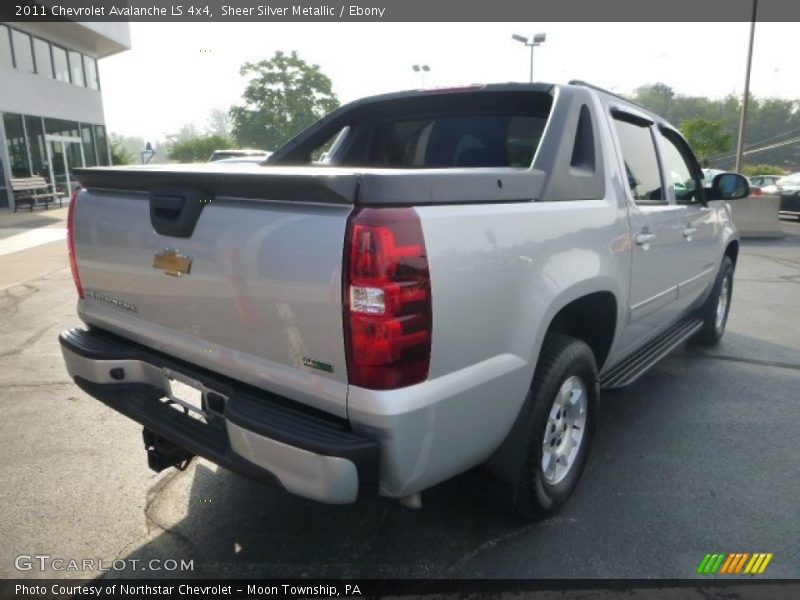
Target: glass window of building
{"type": "Point", "coordinates": [17, 147]}
{"type": "Point", "coordinates": [66, 156]}
{"type": "Point", "coordinates": [102, 144]}
{"type": "Point", "coordinates": [3, 192]}
{"type": "Point", "coordinates": [60, 65]}
{"type": "Point", "coordinates": [41, 52]}
{"type": "Point", "coordinates": [6, 60]}
{"type": "Point", "coordinates": [88, 145]}
{"type": "Point", "coordinates": [23, 51]}
{"type": "Point", "coordinates": [92, 78]}
{"type": "Point", "coordinates": [39, 165]}
{"type": "Point", "coordinates": [76, 67]}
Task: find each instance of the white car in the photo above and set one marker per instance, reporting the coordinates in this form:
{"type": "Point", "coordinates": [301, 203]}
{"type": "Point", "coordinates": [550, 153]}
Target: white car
{"type": "Point", "coordinates": [766, 183]}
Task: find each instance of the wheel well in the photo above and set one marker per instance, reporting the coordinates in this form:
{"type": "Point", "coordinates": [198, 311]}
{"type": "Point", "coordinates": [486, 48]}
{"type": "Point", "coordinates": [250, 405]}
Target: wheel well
{"type": "Point", "coordinates": [732, 251]}
{"type": "Point", "coordinates": [591, 318]}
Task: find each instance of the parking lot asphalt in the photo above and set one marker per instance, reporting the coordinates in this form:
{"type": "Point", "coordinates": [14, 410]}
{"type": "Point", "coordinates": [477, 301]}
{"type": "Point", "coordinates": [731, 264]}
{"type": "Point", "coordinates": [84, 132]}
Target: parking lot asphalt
{"type": "Point", "coordinates": [700, 455]}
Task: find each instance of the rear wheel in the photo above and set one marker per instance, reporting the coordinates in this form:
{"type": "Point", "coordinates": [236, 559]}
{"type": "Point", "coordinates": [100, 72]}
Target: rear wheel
{"type": "Point", "coordinates": [715, 311]}
{"type": "Point", "coordinates": [565, 398]}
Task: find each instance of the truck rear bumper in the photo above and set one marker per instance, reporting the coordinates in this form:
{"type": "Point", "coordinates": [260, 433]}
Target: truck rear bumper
{"type": "Point", "coordinates": [252, 432]}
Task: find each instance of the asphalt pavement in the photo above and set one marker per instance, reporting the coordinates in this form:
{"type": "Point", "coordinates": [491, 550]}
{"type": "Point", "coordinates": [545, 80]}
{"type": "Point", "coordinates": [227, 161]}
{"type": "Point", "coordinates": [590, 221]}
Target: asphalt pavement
{"type": "Point", "coordinates": [701, 455]}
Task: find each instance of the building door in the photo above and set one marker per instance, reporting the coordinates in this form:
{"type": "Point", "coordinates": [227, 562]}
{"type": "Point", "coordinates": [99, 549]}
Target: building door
{"type": "Point", "coordinates": [63, 153]}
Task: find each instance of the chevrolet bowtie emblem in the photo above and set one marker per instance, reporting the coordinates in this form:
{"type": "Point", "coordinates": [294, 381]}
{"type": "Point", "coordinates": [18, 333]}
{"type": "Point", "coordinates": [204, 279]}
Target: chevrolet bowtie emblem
{"type": "Point", "coordinates": [172, 262]}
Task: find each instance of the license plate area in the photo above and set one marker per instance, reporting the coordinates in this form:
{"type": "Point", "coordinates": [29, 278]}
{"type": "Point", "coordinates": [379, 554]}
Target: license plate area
{"type": "Point", "coordinates": [192, 397]}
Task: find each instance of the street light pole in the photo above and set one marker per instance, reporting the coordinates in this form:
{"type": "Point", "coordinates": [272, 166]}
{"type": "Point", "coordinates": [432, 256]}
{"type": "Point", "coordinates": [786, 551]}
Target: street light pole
{"type": "Point", "coordinates": [536, 40]}
{"type": "Point", "coordinates": [421, 69]}
{"type": "Point", "coordinates": [745, 100]}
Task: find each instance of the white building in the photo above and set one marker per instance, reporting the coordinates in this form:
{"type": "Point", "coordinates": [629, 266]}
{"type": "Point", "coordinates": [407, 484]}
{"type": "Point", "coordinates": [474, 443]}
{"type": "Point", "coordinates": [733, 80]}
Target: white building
{"type": "Point", "coordinates": [51, 106]}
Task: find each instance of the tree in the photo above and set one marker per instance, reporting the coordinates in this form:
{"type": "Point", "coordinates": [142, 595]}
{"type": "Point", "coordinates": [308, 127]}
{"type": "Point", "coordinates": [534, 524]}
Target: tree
{"type": "Point", "coordinates": [657, 97]}
{"type": "Point", "coordinates": [284, 95]}
{"type": "Point", "coordinates": [197, 149]}
{"type": "Point", "coordinates": [120, 151]}
{"type": "Point", "coordinates": [707, 138]}
{"type": "Point", "coordinates": [219, 123]}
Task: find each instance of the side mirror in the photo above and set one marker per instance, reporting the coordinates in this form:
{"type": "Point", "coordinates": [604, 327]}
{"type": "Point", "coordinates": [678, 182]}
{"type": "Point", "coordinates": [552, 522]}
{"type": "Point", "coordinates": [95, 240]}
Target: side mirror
{"type": "Point", "coordinates": [728, 186]}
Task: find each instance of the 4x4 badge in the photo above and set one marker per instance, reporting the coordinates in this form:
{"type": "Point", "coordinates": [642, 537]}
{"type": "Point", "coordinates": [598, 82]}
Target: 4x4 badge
{"type": "Point", "coordinates": [172, 262]}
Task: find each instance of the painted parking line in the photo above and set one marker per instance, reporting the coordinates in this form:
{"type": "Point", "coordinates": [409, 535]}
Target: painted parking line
{"type": "Point", "coordinates": [29, 239]}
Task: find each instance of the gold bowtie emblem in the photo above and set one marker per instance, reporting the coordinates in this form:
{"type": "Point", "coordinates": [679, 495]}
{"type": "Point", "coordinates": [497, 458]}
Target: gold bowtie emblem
{"type": "Point", "coordinates": [172, 262]}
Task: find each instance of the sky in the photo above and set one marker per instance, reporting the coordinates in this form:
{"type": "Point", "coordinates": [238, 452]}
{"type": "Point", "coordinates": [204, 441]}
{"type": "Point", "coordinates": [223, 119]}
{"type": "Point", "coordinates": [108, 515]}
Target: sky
{"type": "Point", "coordinates": [177, 73]}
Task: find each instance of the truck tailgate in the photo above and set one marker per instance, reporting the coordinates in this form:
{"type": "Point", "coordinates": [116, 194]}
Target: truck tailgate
{"type": "Point", "coordinates": [252, 292]}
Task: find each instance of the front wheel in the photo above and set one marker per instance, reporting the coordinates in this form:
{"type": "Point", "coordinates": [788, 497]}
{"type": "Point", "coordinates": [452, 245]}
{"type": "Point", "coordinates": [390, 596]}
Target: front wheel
{"type": "Point", "coordinates": [716, 308]}
{"type": "Point", "coordinates": [565, 399]}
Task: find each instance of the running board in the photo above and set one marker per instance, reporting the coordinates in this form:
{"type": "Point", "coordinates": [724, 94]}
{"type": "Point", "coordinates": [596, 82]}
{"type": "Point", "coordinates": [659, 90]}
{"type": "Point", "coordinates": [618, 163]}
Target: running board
{"type": "Point", "coordinates": [638, 363]}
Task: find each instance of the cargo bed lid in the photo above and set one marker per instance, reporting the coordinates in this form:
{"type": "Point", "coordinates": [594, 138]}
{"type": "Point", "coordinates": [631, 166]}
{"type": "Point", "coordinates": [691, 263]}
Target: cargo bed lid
{"type": "Point", "coordinates": [327, 185]}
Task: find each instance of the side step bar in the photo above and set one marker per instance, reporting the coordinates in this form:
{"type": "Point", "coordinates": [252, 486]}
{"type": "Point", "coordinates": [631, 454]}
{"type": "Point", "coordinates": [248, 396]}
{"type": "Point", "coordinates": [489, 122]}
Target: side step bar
{"type": "Point", "coordinates": [638, 363]}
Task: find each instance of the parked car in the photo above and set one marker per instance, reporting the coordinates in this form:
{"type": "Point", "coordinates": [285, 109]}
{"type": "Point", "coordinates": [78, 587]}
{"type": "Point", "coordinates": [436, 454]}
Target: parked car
{"type": "Point", "coordinates": [450, 292]}
{"type": "Point", "coordinates": [766, 183]}
{"type": "Point", "coordinates": [238, 153]}
{"type": "Point", "coordinates": [244, 160]}
{"type": "Point", "coordinates": [789, 191]}
{"type": "Point", "coordinates": [709, 174]}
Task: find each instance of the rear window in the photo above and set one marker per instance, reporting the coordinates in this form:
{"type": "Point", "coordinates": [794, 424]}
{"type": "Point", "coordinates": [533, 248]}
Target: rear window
{"type": "Point", "coordinates": [472, 140]}
{"type": "Point", "coordinates": [432, 131]}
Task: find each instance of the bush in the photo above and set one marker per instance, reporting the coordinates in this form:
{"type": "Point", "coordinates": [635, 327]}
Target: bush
{"type": "Point", "coordinates": [751, 170]}
{"type": "Point", "coordinates": [198, 149]}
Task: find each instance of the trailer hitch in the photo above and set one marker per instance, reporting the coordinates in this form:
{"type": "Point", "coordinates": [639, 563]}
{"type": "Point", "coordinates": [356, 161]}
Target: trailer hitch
{"type": "Point", "coordinates": [161, 453]}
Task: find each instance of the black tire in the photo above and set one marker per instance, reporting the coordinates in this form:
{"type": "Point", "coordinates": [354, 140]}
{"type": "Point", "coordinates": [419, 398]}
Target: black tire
{"type": "Point", "coordinates": [714, 328]}
{"type": "Point", "coordinates": [562, 358]}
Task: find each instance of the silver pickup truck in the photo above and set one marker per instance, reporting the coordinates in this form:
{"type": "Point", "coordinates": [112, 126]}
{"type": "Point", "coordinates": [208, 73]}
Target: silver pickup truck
{"type": "Point", "coordinates": [446, 291]}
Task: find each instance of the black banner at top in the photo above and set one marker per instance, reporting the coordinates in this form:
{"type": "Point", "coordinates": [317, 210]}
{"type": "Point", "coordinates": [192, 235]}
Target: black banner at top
{"type": "Point", "coordinates": [211, 11]}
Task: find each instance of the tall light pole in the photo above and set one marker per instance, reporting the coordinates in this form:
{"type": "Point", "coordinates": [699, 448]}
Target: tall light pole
{"type": "Point", "coordinates": [743, 116]}
{"type": "Point", "coordinates": [421, 69]}
{"type": "Point", "coordinates": [536, 40]}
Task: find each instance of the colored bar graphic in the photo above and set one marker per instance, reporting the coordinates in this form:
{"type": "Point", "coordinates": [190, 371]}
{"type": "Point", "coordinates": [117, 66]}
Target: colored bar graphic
{"type": "Point", "coordinates": [726, 566]}
{"type": "Point", "coordinates": [749, 567]}
{"type": "Point", "coordinates": [734, 563]}
{"type": "Point", "coordinates": [703, 563]}
{"type": "Point", "coordinates": [765, 563]}
{"type": "Point", "coordinates": [717, 563]}
{"type": "Point", "coordinates": [740, 564]}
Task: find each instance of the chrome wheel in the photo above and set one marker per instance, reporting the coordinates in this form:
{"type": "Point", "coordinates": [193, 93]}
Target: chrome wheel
{"type": "Point", "coordinates": [565, 428]}
{"type": "Point", "coordinates": [722, 303]}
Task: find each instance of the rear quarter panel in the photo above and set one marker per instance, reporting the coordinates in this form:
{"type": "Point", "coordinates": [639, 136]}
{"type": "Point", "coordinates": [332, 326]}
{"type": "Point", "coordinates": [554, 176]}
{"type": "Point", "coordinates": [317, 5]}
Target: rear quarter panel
{"type": "Point", "coordinates": [499, 273]}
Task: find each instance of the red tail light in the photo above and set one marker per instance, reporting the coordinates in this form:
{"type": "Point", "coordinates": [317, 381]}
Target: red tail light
{"type": "Point", "coordinates": [387, 298]}
{"type": "Point", "coordinates": [756, 191]}
{"type": "Point", "coordinates": [73, 261]}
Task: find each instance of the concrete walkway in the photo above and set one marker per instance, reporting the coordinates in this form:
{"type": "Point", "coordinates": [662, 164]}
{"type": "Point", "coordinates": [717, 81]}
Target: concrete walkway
{"type": "Point", "coordinates": [32, 245]}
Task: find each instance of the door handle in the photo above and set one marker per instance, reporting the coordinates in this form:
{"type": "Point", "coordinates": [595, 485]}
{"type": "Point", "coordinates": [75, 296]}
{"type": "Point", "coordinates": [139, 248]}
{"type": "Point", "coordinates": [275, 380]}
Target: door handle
{"type": "Point", "coordinates": [688, 232]}
{"type": "Point", "coordinates": [644, 238]}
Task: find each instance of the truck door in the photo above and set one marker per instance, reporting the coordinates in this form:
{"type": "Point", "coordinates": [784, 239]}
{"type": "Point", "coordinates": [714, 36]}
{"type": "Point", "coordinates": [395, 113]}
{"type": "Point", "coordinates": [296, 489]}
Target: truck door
{"type": "Point", "coordinates": [698, 254]}
{"type": "Point", "coordinates": [656, 237]}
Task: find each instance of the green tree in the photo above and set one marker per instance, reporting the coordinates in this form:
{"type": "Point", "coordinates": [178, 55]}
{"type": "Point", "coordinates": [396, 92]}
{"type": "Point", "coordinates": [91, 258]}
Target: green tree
{"type": "Point", "coordinates": [657, 97]}
{"type": "Point", "coordinates": [197, 149]}
{"type": "Point", "coordinates": [120, 151]}
{"type": "Point", "coordinates": [219, 123]}
{"type": "Point", "coordinates": [284, 95]}
{"type": "Point", "coordinates": [707, 138]}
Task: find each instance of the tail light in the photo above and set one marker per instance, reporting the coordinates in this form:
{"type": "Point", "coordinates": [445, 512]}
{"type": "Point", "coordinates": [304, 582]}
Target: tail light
{"type": "Point", "coordinates": [73, 261]}
{"type": "Point", "coordinates": [756, 191]}
{"type": "Point", "coordinates": [387, 298]}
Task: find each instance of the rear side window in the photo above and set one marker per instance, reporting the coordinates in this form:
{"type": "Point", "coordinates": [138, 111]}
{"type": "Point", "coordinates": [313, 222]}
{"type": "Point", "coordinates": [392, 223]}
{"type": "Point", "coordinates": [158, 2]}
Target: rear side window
{"type": "Point", "coordinates": [641, 162]}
